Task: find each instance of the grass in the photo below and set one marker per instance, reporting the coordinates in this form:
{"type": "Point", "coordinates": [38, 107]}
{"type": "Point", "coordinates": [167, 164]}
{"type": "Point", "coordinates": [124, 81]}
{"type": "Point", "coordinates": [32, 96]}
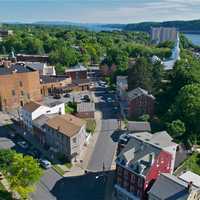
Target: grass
{"type": "Point", "coordinates": [68, 165]}
{"type": "Point", "coordinates": [4, 195]}
{"type": "Point", "coordinates": [59, 170]}
{"type": "Point", "coordinates": [91, 126]}
{"type": "Point", "coordinates": [191, 164]}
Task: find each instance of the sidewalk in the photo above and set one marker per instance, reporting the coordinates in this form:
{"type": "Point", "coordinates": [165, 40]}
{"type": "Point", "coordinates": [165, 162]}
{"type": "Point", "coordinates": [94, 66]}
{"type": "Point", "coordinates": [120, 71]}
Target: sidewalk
{"type": "Point", "coordinates": [88, 150]}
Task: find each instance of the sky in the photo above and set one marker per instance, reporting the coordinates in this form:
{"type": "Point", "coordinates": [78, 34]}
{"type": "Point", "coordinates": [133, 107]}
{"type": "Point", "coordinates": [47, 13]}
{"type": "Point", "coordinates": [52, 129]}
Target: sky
{"type": "Point", "coordinates": [98, 11]}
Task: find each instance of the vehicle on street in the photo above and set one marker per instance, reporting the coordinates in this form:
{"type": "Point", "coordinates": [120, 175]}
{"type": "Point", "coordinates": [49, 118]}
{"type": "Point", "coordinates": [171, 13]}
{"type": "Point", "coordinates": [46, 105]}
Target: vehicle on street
{"type": "Point", "coordinates": [57, 96]}
{"type": "Point", "coordinates": [23, 144]}
{"type": "Point", "coordinates": [109, 100]}
{"type": "Point", "coordinates": [45, 163]}
{"type": "Point", "coordinates": [67, 95]}
{"type": "Point", "coordinates": [85, 98]}
{"type": "Point", "coordinates": [12, 135]}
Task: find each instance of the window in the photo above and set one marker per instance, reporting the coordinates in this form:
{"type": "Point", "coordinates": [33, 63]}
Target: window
{"type": "Point", "coordinates": [22, 93]}
{"type": "Point", "coordinates": [74, 140]}
{"type": "Point", "coordinates": [13, 92]}
{"type": "Point", "coordinates": [20, 83]}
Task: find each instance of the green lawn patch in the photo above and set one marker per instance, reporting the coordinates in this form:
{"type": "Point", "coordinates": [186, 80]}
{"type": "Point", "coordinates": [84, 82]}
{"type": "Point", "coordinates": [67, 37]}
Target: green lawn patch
{"type": "Point", "coordinates": [59, 170]}
{"type": "Point", "coordinates": [91, 125]}
{"type": "Point", "coordinates": [192, 164]}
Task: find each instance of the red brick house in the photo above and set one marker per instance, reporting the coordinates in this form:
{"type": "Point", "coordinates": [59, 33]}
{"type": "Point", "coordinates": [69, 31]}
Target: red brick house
{"type": "Point", "coordinates": [144, 157]}
{"type": "Point", "coordinates": [140, 102]}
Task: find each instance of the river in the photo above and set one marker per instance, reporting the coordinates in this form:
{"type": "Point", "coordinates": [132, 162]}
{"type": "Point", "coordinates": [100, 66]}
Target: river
{"type": "Point", "coordinates": [195, 38]}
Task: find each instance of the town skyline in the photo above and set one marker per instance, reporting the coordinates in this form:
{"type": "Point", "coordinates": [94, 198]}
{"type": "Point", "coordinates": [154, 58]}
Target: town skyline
{"type": "Point", "coordinates": [95, 11]}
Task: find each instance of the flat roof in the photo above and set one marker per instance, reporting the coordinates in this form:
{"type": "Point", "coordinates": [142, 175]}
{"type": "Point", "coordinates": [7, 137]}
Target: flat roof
{"type": "Point", "coordinates": [191, 177]}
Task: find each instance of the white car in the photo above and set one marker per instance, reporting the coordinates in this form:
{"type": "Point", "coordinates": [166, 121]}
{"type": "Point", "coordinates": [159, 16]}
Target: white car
{"type": "Point", "coordinates": [109, 100]}
{"type": "Point", "coordinates": [23, 144]}
{"type": "Point", "coordinates": [45, 163]}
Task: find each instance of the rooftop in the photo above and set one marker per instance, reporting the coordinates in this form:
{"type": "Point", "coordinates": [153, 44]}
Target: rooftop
{"type": "Point", "coordinates": [68, 125]}
{"type": "Point", "coordinates": [139, 126]}
{"type": "Point", "coordinates": [76, 68]}
{"type": "Point", "coordinates": [168, 186]}
{"type": "Point", "coordinates": [138, 92]}
{"type": "Point", "coordinates": [142, 148]}
{"type": "Point", "coordinates": [52, 79]}
{"type": "Point", "coordinates": [190, 176]}
{"type": "Point", "coordinates": [17, 68]}
{"type": "Point", "coordinates": [85, 107]}
{"type": "Point", "coordinates": [31, 106]}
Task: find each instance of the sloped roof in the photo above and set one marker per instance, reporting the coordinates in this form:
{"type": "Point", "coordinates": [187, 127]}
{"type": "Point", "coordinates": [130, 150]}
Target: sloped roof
{"type": "Point", "coordinates": [138, 92]}
{"type": "Point", "coordinates": [68, 125]}
{"type": "Point", "coordinates": [31, 106]}
{"type": "Point", "coordinates": [142, 148]}
{"type": "Point", "coordinates": [168, 186]}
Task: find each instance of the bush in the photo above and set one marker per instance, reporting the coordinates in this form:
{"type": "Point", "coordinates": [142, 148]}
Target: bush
{"type": "Point", "coordinates": [90, 126]}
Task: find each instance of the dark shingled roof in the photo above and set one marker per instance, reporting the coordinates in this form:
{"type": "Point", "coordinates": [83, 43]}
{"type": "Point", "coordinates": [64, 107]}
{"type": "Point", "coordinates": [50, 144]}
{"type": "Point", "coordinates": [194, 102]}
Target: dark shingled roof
{"type": "Point", "coordinates": [169, 187]}
{"type": "Point", "coordinates": [52, 79]}
{"type": "Point", "coordinates": [17, 68]}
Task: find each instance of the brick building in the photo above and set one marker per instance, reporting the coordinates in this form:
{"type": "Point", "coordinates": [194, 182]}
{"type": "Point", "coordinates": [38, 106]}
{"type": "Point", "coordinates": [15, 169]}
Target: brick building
{"type": "Point", "coordinates": [140, 161]}
{"type": "Point", "coordinates": [78, 72]}
{"type": "Point", "coordinates": [54, 84]}
{"type": "Point", "coordinates": [140, 102]}
{"type": "Point", "coordinates": [19, 84]}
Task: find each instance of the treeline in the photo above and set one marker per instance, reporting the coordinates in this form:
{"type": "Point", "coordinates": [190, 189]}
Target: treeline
{"type": "Point", "coordinates": [66, 46]}
{"type": "Point", "coordinates": [183, 26]}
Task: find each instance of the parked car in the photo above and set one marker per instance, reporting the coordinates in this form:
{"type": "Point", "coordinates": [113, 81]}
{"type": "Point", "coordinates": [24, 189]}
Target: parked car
{"type": "Point", "coordinates": [86, 98]}
{"type": "Point", "coordinates": [34, 153]}
{"type": "Point", "coordinates": [12, 135]}
{"type": "Point", "coordinates": [23, 144]}
{"type": "Point", "coordinates": [67, 95]}
{"type": "Point", "coordinates": [45, 163]}
{"type": "Point", "coordinates": [57, 96]}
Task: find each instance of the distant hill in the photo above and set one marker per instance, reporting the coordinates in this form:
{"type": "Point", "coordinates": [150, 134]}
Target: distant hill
{"type": "Point", "coordinates": [183, 26]}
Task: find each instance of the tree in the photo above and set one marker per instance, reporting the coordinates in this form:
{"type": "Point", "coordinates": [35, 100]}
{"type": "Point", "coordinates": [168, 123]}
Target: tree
{"type": "Point", "coordinates": [144, 118]}
{"type": "Point", "coordinates": [187, 107]}
{"type": "Point", "coordinates": [21, 171]}
{"type": "Point", "coordinates": [176, 128]}
{"type": "Point", "coordinates": [140, 75]}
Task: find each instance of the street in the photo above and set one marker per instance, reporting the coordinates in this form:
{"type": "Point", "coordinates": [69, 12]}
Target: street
{"type": "Point", "coordinates": [105, 147]}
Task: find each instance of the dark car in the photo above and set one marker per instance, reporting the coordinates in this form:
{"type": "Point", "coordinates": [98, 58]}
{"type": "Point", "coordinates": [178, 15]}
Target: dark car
{"type": "Point", "coordinates": [57, 96]}
{"type": "Point", "coordinates": [67, 95]}
{"type": "Point", "coordinates": [86, 98]}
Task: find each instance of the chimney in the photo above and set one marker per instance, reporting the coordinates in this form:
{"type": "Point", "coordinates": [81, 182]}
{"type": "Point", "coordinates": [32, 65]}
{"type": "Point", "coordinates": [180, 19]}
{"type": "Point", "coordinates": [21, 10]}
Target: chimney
{"type": "Point", "coordinates": [190, 186]}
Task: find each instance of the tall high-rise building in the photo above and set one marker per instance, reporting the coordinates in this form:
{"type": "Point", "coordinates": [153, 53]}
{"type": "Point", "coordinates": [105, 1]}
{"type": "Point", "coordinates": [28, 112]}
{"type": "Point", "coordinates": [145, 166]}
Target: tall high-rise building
{"type": "Point", "coordinates": [162, 34]}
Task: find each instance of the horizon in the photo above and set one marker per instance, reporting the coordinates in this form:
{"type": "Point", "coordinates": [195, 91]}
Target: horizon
{"type": "Point", "coordinates": [98, 11]}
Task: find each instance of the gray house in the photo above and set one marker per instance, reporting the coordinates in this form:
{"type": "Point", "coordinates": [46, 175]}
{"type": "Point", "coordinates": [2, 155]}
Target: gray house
{"type": "Point", "coordinates": [65, 135]}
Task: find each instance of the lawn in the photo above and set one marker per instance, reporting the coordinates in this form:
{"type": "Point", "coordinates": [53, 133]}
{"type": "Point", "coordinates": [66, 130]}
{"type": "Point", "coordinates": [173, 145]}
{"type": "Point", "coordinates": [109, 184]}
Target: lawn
{"type": "Point", "coordinates": [192, 164]}
{"type": "Point", "coordinates": [90, 126]}
{"type": "Point", "coordinates": [4, 195]}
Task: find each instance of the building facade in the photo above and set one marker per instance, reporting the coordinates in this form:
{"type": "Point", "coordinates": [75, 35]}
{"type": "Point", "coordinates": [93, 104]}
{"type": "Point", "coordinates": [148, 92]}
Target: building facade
{"type": "Point", "coordinates": [162, 34]}
{"type": "Point", "coordinates": [19, 84]}
{"type": "Point", "coordinates": [140, 102]}
{"type": "Point", "coordinates": [64, 135]}
{"type": "Point", "coordinates": [33, 110]}
{"type": "Point", "coordinates": [78, 72]}
{"type": "Point", "coordinates": [139, 163]}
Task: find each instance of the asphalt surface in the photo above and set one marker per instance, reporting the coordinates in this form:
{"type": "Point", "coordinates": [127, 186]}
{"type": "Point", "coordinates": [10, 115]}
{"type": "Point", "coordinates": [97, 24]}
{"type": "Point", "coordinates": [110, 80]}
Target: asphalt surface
{"type": "Point", "coordinates": [105, 147]}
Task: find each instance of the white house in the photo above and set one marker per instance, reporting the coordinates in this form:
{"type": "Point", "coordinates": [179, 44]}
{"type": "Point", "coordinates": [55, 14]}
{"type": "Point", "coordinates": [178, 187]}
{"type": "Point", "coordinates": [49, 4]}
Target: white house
{"type": "Point", "coordinates": [33, 110]}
